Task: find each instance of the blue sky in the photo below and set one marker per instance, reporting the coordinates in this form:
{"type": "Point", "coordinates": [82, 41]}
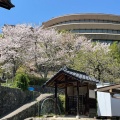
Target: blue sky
{"type": "Point", "coordinates": [38, 11]}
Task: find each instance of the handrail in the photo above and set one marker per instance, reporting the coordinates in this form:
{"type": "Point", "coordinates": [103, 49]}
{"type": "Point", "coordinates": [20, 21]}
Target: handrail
{"type": "Point", "coordinates": [53, 101]}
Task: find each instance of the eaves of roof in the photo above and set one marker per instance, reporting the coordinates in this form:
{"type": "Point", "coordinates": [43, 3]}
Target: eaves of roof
{"type": "Point", "coordinates": [77, 75]}
{"type": "Point", "coordinates": [6, 4]}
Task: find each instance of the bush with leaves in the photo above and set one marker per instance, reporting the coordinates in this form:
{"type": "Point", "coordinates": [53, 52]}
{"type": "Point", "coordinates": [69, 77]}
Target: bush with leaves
{"type": "Point", "coordinates": [115, 51]}
{"type": "Point", "coordinates": [34, 80]}
{"type": "Point", "coordinates": [22, 81]}
{"type": "Point", "coordinates": [62, 102]}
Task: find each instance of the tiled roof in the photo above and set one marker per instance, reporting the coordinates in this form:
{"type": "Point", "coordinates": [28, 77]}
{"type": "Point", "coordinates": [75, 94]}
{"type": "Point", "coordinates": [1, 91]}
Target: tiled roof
{"type": "Point", "coordinates": [74, 74]}
{"type": "Point", "coordinates": [79, 75]}
{"type": "Point", "coordinates": [6, 4]}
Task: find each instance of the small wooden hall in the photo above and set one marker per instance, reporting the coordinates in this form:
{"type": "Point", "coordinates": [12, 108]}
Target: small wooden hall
{"type": "Point", "coordinates": [80, 97]}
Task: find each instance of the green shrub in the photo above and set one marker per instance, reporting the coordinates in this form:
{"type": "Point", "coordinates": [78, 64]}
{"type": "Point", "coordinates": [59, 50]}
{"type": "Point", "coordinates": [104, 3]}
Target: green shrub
{"type": "Point", "coordinates": [62, 101]}
{"type": "Point", "coordinates": [22, 81]}
{"type": "Point", "coordinates": [36, 80]}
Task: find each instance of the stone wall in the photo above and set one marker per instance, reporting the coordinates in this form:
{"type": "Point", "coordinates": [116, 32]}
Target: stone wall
{"type": "Point", "coordinates": [11, 99]}
{"type": "Point", "coordinates": [31, 109]}
{"type": "Point", "coordinates": [47, 89]}
{"type": "Point", "coordinates": [29, 112]}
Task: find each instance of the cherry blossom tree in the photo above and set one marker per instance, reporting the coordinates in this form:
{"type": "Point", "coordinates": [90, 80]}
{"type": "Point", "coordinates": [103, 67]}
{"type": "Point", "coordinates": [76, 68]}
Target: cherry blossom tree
{"type": "Point", "coordinates": [51, 50]}
{"type": "Point", "coordinates": [96, 60]}
{"type": "Point", "coordinates": [13, 46]}
{"type": "Point", "coordinates": [42, 50]}
{"type": "Point", "coordinates": [45, 50]}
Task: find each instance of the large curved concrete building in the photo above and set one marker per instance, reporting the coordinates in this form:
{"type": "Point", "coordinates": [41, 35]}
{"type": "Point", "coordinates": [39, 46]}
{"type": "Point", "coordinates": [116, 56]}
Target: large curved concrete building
{"type": "Point", "coordinates": [98, 27]}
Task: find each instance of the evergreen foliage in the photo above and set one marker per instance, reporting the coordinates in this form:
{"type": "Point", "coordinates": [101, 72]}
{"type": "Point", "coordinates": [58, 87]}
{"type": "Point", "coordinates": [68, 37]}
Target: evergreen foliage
{"type": "Point", "coordinates": [62, 101]}
{"type": "Point", "coordinates": [22, 81]}
{"type": "Point", "coordinates": [36, 80]}
{"type": "Point", "coordinates": [115, 51]}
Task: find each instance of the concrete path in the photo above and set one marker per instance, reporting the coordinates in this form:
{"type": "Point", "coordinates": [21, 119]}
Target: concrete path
{"type": "Point", "coordinates": [26, 106]}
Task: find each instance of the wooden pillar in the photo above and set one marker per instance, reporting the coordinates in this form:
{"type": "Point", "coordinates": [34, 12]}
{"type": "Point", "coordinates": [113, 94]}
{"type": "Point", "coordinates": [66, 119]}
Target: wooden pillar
{"type": "Point", "coordinates": [87, 109]}
{"type": "Point", "coordinates": [78, 99]}
{"type": "Point", "coordinates": [96, 97]}
{"type": "Point", "coordinates": [55, 98]}
{"type": "Point", "coordinates": [66, 97]}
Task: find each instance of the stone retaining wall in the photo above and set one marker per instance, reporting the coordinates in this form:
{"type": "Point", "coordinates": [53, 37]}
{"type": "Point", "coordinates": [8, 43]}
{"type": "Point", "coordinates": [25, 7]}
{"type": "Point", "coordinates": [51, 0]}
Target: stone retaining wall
{"type": "Point", "coordinates": [31, 109]}
{"type": "Point", "coordinates": [47, 89]}
{"type": "Point", "coordinates": [11, 99]}
{"type": "Point", "coordinates": [29, 112]}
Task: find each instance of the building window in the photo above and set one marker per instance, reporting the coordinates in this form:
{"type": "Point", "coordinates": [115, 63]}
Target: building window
{"type": "Point", "coordinates": [89, 21]}
{"type": "Point", "coordinates": [95, 31]}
